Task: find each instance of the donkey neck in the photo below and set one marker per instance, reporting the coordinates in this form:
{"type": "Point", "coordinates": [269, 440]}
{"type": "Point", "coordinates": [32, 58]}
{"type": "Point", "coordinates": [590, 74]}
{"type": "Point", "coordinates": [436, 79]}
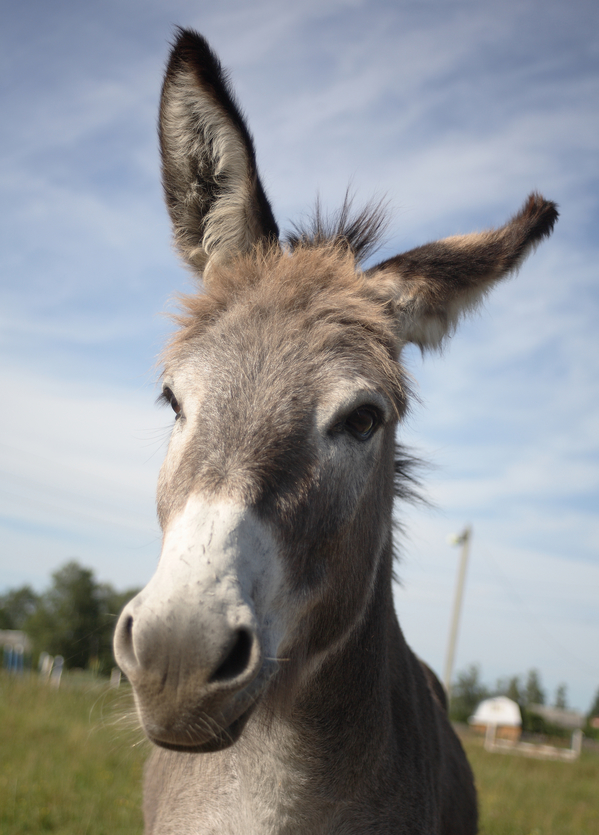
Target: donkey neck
{"type": "Point", "coordinates": [313, 758]}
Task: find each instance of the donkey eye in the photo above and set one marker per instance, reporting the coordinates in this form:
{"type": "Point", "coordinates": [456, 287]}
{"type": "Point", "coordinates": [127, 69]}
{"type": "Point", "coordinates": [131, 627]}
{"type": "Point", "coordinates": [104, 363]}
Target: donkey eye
{"type": "Point", "coordinates": [362, 422]}
{"type": "Point", "coordinates": [168, 397]}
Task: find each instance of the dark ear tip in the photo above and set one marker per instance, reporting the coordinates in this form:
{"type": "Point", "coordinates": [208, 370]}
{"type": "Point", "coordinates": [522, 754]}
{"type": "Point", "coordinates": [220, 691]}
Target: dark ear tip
{"type": "Point", "coordinates": [541, 214]}
{"type": "Point", "coordinates": [186, 39]}
{"type": "Point", "coordinates": [191, 48]}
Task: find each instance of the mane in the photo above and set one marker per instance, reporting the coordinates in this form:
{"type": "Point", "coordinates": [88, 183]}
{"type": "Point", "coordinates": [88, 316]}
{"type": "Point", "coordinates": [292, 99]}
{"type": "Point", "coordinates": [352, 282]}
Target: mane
{"type": "Point", "coordinates": [315, 282]}
{"type": "Point", "coordinates": [361, 232]}
{"type": "Point", "coordinates": [407, 484]}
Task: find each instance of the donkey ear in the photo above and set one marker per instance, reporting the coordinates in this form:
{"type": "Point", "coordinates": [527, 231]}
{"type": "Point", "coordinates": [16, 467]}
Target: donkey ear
{"type": "Point", "coordinates": [432, 286]}
{"type": "Point", "coordinates": [213, 192]}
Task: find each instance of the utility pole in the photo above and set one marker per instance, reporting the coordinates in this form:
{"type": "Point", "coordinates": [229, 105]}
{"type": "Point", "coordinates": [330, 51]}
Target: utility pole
{"type": "Point", "coordinates": [462, 539]}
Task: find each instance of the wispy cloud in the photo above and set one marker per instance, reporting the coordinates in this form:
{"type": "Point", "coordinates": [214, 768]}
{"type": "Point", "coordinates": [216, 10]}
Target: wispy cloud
{"type": "Point", "coordinates": [79, 462]}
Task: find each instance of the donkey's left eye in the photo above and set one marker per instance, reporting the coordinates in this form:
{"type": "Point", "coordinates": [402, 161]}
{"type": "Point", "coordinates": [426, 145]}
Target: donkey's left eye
{"type": "Point", "coordinates": [168, 397]}
{"type": "Point", "coordinates": [362, 422]}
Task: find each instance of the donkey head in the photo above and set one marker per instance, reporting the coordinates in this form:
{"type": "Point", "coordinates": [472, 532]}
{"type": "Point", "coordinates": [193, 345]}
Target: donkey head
{"type": "Point", "coordinates": [276, 494]}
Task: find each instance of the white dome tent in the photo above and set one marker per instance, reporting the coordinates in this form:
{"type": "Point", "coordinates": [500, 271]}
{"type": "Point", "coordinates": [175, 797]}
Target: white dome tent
{"type": "Point", "coordinates": [501, 722]}
{"type": "Point", "coordinates": [500, 712]}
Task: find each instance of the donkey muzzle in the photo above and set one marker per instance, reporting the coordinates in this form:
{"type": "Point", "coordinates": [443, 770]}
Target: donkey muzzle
{"type": "Point", "coordinates": [198, 643]}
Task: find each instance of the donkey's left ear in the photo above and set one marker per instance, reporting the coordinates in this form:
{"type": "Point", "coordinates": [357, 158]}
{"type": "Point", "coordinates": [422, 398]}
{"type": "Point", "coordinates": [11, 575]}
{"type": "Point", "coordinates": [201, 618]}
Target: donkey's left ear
{"type": "Point", "coordinates": [431, 287]}
{"type": "Point", "coordinates": [213, 192]}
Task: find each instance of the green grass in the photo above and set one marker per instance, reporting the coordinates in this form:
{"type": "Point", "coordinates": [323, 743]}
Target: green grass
{"type": "Point", "coordinates": [68, 762]}
{"type": "Point", "coordinates": [71, 762]}
{"type": "Point", "coordinates": [522, 796]}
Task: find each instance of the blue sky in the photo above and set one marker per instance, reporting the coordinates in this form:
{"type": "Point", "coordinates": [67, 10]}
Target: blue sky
{"type": "Point", "coordinates": [455, 111]}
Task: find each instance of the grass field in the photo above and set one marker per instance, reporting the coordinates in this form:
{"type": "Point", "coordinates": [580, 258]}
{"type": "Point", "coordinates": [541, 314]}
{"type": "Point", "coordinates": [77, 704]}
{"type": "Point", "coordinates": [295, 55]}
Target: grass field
{"type": "Point", "coordinates": [521, 796]}
{"type": "Point", "coordinates": [71, 763]}
{"type": "Point", "coordinates": [68, 762]}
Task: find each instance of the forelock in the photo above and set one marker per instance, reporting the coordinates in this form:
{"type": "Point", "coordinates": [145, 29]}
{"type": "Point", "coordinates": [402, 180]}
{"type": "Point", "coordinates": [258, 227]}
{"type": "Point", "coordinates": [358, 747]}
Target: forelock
{"type": "Point", "coordinates": [315, 290]}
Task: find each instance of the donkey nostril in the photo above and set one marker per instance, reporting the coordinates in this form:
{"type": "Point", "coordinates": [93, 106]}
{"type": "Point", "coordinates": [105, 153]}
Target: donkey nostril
{"type": "Point", "coordinates": [237, 658]}
{"type": "Point", "coordinates": [129, 627]}
{"type": "Point", "coordinates": [124, 644]}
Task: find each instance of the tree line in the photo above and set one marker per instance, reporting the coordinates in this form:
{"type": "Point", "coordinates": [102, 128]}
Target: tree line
{"type": "Point", "coordinates": [468, 691]}
{"type": "Point", "coordinates": [75, 617]}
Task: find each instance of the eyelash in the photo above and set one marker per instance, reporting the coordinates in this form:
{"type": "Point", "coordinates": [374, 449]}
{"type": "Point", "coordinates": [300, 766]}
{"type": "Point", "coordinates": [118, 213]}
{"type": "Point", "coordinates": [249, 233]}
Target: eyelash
{"type": "Point", "coordinates": [168, 397]}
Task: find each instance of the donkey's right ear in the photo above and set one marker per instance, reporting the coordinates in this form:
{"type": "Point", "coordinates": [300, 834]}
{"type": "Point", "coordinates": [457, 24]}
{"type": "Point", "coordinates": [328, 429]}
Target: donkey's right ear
{"type": "Point", "coordinates": [213, 192]}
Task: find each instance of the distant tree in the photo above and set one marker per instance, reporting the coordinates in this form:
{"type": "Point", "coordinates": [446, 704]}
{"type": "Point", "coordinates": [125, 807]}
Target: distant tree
{"type": "Point", "coordinates": [76, 617]}
{"type": "Point", "coordinates": [466, 694]}
{"type": "Point", "coordinates": [561, 700]}
{"type": "Point", "coordinates": [594, 711]}
{"type": "Point", "coordinates": [67, 619]}
{"type": "Point", "coordinates": [510, 687]}
{"type": "Point", "coordinates": [525, 693]}
{"type": "Point", "coordinates": [533, 692]}
{"type": "Point", "coordinates": [16, 606]}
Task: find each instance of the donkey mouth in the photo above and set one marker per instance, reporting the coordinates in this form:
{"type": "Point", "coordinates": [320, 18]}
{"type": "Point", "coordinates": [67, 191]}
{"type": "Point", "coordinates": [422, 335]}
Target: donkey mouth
{"type": "Point", "coordinates": [220, 739]}
{"type": "Point", "coordinates": [206, 725]}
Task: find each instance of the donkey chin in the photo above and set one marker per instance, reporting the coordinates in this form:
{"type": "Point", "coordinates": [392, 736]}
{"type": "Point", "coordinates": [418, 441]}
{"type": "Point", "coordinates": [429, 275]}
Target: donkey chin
{"type": "Point", "coordinates": [196, 722]}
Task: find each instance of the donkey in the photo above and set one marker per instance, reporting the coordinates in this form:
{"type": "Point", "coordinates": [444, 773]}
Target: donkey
{"type": "Point", "coordinates": [265, 654]}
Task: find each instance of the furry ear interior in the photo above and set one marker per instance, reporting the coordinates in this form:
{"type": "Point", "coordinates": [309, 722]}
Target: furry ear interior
{"type": "Point", "coordinates": [433, 286]}
{"type": "Point", "coordinates": [214, 196]}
